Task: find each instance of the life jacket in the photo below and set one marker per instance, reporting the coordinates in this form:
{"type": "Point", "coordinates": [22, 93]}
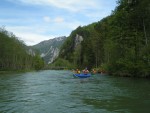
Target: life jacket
{"type": "Point", "coordinates": [78, 71]}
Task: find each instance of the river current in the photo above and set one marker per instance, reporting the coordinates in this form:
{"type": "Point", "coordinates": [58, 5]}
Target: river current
{"type": "Point", "coordinates": [54, 91]}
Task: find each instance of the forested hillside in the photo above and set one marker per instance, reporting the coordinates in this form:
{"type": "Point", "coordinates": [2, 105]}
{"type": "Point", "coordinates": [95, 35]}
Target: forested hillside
{"type": "Point", "coordinates": [118, 44]}
{"type": "Point", "coordinates": [14, 54]}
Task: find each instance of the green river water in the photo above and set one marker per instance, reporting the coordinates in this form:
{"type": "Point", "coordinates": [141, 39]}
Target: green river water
{"type": "Point", "coordinates": [53, 91]}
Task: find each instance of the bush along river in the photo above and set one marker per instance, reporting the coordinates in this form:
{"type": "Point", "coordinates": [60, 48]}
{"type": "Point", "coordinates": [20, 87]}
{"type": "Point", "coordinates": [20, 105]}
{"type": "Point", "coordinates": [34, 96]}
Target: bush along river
{"type": "Point", "coordinates": [53, 91]}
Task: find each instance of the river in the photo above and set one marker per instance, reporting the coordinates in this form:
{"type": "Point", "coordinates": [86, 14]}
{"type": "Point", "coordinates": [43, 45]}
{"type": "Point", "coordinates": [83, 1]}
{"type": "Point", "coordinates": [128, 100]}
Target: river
{"type": "Point", "coordinates": [53, 91]}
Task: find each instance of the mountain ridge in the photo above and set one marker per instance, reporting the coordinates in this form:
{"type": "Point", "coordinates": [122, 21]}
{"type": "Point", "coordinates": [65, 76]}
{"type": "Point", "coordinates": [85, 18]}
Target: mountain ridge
{"type": "Point", "coordinates": [49, 49]}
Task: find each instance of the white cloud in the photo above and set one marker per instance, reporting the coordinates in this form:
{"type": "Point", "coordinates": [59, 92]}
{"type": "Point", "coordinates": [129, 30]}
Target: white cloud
{"type": "Point", "coordinates": [29, 34]}
{"type": "Point", "coordinates": [46, 19]}
{"type": "Point", "coordinates": [37, 25]}
{"type": "Point", "coordinates": [33, 38]}
{"type": "Point", "coordinates": [34, 34]}
{"type": "Point", "coordinates": [54, 20]}
{"type": "Point", "coordinates": [71, 5]}
{"type": "Point", "coordinates": [59, 20]}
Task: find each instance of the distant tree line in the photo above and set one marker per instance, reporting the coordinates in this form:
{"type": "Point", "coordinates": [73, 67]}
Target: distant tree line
{"type": "Point", "coordinates": [118, 44]}
{"type": "Point", "coordinates": [14, 55]}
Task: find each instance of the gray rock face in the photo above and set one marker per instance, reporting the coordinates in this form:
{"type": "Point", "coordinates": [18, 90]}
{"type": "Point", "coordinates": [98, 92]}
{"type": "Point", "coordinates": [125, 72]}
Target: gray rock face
{"type": "Point", "coordinates": [31, 52]}
{"type": "Point", "coordinates": [78, 40]}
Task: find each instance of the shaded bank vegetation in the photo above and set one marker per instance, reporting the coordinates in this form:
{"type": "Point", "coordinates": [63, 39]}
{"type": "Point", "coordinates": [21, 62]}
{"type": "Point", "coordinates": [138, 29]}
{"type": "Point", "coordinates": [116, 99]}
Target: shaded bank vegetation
{"type": "Point", "coordinates": [118, 44]}
{"type": "Point", "coordinates": [15, 55]}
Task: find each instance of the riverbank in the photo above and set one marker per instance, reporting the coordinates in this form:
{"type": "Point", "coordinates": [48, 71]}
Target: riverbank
{"type": "Point", "coordinates": [125, 74]}
{"type": "Point", "coordinates": [13, 72]}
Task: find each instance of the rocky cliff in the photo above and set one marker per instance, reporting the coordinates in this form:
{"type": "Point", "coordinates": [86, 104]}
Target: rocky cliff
{"type": "Point", "coordinates": [49, 49]}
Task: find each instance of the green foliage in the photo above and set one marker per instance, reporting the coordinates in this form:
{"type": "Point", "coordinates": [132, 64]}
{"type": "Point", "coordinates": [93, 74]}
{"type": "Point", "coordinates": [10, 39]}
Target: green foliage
{"type": "Point", "coordinates": [121, 41]}
{"type": "Point", "coordinates": [14, 54]}
{"type": "Point", "coordinates": [61, 64]}
{"type": "Point", "coordinates": [38, 62]}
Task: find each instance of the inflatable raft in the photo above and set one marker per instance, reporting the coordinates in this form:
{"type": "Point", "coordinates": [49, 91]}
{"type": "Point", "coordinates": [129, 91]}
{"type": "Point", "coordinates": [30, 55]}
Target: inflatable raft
{"type": "Point", "coordinates": [82, 75]}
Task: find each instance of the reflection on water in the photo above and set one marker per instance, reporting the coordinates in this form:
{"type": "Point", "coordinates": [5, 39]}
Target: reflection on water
{"type": "Point", "coordinates": [58, 92]}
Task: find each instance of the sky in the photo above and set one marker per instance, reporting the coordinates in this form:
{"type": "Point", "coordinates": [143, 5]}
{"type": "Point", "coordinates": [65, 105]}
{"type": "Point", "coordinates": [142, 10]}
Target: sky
{"type": "Point", "coordinates": [36, 20]}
